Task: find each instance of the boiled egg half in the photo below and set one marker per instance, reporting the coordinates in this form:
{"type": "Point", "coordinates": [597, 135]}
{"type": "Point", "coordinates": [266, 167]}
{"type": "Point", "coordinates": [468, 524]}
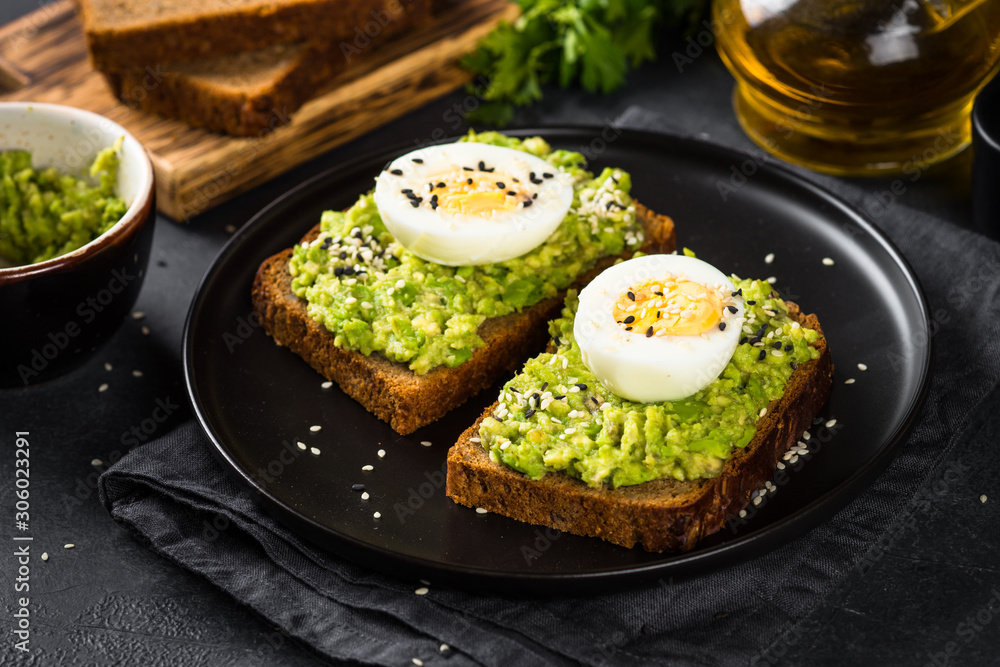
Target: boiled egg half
{"type": "Point", "coordinates": [468, 203]}
{"type": "Point", "coordinates": [659, 327]}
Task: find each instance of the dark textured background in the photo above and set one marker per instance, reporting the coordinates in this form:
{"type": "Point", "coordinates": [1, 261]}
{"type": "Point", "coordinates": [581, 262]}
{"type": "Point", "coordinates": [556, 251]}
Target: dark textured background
{"type": "Point", "coordinates": [111, 601]}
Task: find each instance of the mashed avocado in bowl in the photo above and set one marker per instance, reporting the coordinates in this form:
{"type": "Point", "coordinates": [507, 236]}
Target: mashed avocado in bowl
{"type": "Point", "coordinates": [46, 213]}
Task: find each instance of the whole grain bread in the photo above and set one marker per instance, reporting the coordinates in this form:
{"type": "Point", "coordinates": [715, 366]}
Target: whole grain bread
{"type": "Point", "coordinates": [390, 390]}
{"type": "Point", "coordinates": [125, 35]}
{"type": "Point", "coordinates": [661, 515]}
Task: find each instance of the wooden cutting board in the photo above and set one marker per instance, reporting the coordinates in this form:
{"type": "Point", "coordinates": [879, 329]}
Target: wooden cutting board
{"type": "Point", "coordinates": [43, 58]}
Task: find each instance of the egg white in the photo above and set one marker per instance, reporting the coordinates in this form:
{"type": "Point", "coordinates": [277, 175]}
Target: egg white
{"type": "Point", "coordinates": [662, 367]}
{"type": "Point", "coordinates": [460, 239]}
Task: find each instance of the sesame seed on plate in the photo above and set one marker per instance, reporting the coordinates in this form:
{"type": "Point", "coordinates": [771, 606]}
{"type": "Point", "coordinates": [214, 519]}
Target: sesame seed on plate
{"type": "Point", "coordinates": [862, 367]}
{"type": "Point", "coordinates": [425, 443]}
{"type": "Point", "coordinates": [96, 462]}
{"type": "Point", "coordinates": [423, 590]}
{"type": "Point", "coordinates": [144, 330]}
{"type": "Point", "coordinates": [758, 500]}
{"type": "Point", "coordinates": [831, 423]}
{"type": "Point", "coordinates": [357, 487]}
{"type": "Point", "coordinates": [769, 258]}
{"type": "Point", "coordinates": [481, 510]}
{"type": "Point", "coordinates": [368, 468]}
{"type": "Point", "coordinates": [772, 280]}
{"type": "Point", "coordinates": [849, 381]}
{"type": "Point", "coordinates": [137, 373]}
{"type": "Point", "coordinates": [314, 451]}
{"type": "Point", "coordinates": [444, 648]}
{"type": "Point", "coordinates": [418, 662]}
{"type": "Point", "coordinates": [107, 366]}
{"type": "Point", "coordinates": [301, 445]}
{"type": "Point", "coordinates": [45, 556]}
{"type": "Point", "coordinates": [827, 261]}
{"type": "Point", "coordinates": [365, 496]}
{"type": "Point", "coordinates": [69, 546]}
{"type": "Point", "coordinates": [381, 453]}
{"type": "Point", "coordinates": [377, 515]}
{"type": "Point", "coordinates": [743, 513]}
{"type": "Point", "coordinates": [982, 498]}
{"type": "Point", "coordinates": [103, 387]}
{"type": "Point", "coordinates": [314, 428]}
{"type": "Point", "coordinates": [806, 435]}
{"type": "Point", "coordinates": [326, 385]}
{"type": "Point", "coordinates": [138, 315]}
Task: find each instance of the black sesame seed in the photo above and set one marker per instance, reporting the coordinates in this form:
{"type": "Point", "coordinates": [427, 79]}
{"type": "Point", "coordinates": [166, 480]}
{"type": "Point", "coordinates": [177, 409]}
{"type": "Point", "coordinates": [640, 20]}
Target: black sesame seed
{"type": "Point", "coordinates": [442, 184]}
{"type": "Point", "coordinates": [743, 340]}
{"type": "Point", "coordinates": [357, 487]}
{"type": "Point", "coordinates": [545, 385]}
{"type": "Point", "coordinates": [338, 270]}
{"type": "Point", "coordinates": [343, 254]}
{"type": "Point", "coordinates": [482, 166]}
{"type": "Point", "coordinates": [658, 316]}
{"type": "Point", "coordinates": [411, 196]}
{"type": "Point", "coordinates": [499, 419]}
{"type": "Point", "coordinates": [582, 386]}
{"type": "Point", "coordinates": [631, 296]}
{"type": "Point", "coordinates": [501, 185]}
{"type": "Point", "coordinates": [548, 175]}
{"type": "Point", "coordinates": [514, 179]}
{"type": "Point", "coordinates": [536, 396]}
{"type": "Point", "coordinates": [469, 181]}
{"type": "Point", "coordinates": [559, 397]}
{"type": "Point", "coordinates": [628, 328]}
{"type": "Point", "coordinates": [762, 330]}
{"type": "Point", "coordinates": [534, 196]}
{"type": "Point", "coordinates": [529, 412]}
{"type": "Point", "coordinates": [789, 348]}
{"type": "Point", "coordinates": [722, 326]}
{"type": "Point", "coordinates": [763, 355]}
{"type": "Point", "coordinates": [468, 168]}
{"type": "Point", "coordinates": [649, 331]}
{"type": "Point", "coordinates": [738, 292]}
{"type": "Point", "coordinates": [359, 235]}
{"type": "Point", "coordinates": [594, 399]}
{"type": "Point", "coordinates": [407, 191]}
{"type": "Point", "coordinates": [658, 293]}
{"type": "Point", "coordinates": [793, 365]}
{"type": "Point", "coordinates": [732, 309]}
{"type": "Point", "coordinates": [511, 193]}
{"type": "Point", "coordinates": [777, 345]}
{"type": "Point", "coordinates": [418, 160]}
{"type": "Point", "coordinates": [751, 303]}
{"type": "Point", "coordinates": [414, 203]}
{"type": "Point", "coordinates": [630, 319]}
{"type": "Point", "coordinates": [348, 270]}
{"type": "Point", "coordinates": [527, 203]}
{"type": "Point", "coordinates": [396, 172]}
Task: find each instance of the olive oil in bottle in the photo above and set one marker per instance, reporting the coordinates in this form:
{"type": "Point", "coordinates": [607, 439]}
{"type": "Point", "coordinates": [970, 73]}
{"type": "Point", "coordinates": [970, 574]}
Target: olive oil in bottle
{"type": "Point", "coordinates": [858, 87]}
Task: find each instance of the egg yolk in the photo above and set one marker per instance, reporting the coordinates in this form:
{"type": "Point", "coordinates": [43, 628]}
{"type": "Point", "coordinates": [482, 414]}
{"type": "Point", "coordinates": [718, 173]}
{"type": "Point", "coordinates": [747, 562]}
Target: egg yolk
{"type": "Point", "coordinates": [477, 193]}
{"type": "Point", "coordinates": [669, 308]}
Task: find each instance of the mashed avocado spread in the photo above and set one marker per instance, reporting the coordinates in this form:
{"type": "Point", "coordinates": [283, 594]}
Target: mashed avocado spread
{"type": "Point", "coordinates": [555, 416]}
{"type": "Point", "coordinates": [45, 214]}
{"type": "Point", "coordinates": [375, 296]}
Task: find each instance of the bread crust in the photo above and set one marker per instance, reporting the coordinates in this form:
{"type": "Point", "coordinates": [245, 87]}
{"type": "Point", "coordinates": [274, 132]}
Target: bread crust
{"type": "Point", "coordinates": [661, 515]}
{"type": "Point", "coordinates": [135, 35]}
{"type": "Point", "coordinates": [390, 390]}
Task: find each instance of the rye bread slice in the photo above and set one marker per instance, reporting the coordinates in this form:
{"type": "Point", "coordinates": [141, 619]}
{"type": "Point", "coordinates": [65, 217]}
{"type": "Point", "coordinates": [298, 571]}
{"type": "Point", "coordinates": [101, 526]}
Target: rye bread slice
{"type": "Point", "coordinates": [133, 34]}
{"type": "Point", "coordinates": [662, 515]}
{"type": "Point", "coordinates": [390, 390]}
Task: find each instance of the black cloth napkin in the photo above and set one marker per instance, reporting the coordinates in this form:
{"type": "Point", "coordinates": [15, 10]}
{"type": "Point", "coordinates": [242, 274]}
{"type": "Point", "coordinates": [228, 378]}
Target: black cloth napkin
{"type": "Point", "coordinates": [173, 494]}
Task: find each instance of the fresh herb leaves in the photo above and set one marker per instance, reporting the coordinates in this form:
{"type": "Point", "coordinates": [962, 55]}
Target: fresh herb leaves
{"type": "Point", "coordinates": [590, 42]}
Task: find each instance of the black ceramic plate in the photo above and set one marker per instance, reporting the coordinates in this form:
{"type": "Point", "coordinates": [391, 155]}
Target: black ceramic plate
{"type": "Point", "coordinates": [252, 396]}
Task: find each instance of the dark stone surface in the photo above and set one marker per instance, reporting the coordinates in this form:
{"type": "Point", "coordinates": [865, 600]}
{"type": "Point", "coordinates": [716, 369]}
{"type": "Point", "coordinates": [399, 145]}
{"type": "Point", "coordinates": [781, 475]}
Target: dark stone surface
{"type": "Point", "coordinates": [108, 600]}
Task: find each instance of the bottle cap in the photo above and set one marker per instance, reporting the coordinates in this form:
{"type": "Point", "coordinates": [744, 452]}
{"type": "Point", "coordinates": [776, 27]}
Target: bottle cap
{"type": "Point", "coordinates": [986, 165]}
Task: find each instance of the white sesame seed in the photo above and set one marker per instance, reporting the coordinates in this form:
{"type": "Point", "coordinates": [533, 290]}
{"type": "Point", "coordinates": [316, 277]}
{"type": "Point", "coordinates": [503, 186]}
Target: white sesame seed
{"type": "Point", "coordinates": [366, 305]}
{"type": "Point", "coordinates": [137, 373]}
{"type": "Point", "coordinates": [144, 330]}
{"type": "Point", "coordinates": [743, 513]}
{"type": "Point", "coordinates": [831, 423]}
{"type": "Point", "coordinates": [769, 258]}
{"type": "Point", "coordinates": [365, 496]}
{"type": "Point", "coordinates": [314, 428]}
{"type": "Point", "coordinates": [314, 451]}
{"type": "Point", "coordinates": [377, 515]}
{"type": "Point", "coordinates": [982, 498]}
{"type": "Point", "coordinates": [425, 443]}
{"type": "Point", "coordinates": [423, 590]}
{"type": "Point", "coordinates": [758, 500]}
{"type": "Point", "coordinates": [763, 411]}
{"type": "Point", "coordinates": [827, 261]}
{"type": "Point", "coordinates": [417, 661]}
{"type": "Point", "coordinates": [349, 300]}
{"type": "Point", "coordinates": [301, 445]}
{"type": "Point", "coordinates": [368, 468]}
{"type": "Point", "coordinates": [475, 439]}
{"type": "Point", "coordinates": [45, 555]}
{"type": "Point", "coordinates": [230, 229]}
{"type": "Point", "coordinates": [96, 462]}
{"type": "Point", "coordinates": [444, 648]}
{"type": "Point", "coordinates": [793, 459]}
{"type": "Point", "coordinates": [806, 435]}
{"type": "Point", "coordinates": [400, 284]}
{"type": "Point", "coordinates": [326, 385]}
{"type": "Point", "coordinates": [69, 546]}
{"type": "Point", "coordinates": [772, 280]}
{"type": "Point", "coordinates": [849, 381]}
{"type": "Point", "coordinates": [381, 453]}
{"type": "Point", "coordinates": [781, 466]}
{"type": "Point", "coordinates": [138, 315]}
{"type": "Point", "coordinates": [505, 444]}
{"type": "Point", "coordinates": [103, 387]}
{"type": "Point", "coordinates": [107, 366]}
{"type": "Point", "coordinates": [480, 510]}
{"type": "Point", "coordinates": [862, 367]}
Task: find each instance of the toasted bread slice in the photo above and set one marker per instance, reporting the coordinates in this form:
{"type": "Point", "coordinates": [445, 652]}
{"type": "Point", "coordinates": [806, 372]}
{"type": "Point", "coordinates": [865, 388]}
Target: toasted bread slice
{"type": "Point", "coordinates": [390, 390]}
{"type": "Point", "coordinates": [662, 515]}
{"type": "Point", "coordinates": [130, 34]}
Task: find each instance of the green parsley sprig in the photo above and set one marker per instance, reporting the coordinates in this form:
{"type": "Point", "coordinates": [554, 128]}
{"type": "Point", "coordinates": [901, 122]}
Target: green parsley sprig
{"type": "Point", "coordinates": [590, 42]}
